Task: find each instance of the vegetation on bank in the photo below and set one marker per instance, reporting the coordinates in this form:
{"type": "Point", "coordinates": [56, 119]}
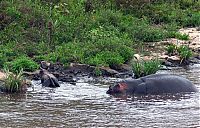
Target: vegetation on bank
{"type": "Point", "coordinates": [13, 83]}
{"type": "Point", "coordinates": [99, 33]}
{"type": "Point", "coordinates": [182, 51]}
{"type": "Point", "coordinates": [144, 68]}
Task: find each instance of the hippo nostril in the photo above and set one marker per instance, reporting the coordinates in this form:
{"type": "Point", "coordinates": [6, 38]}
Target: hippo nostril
{"type": "Point", "coordinates": [108, 92]}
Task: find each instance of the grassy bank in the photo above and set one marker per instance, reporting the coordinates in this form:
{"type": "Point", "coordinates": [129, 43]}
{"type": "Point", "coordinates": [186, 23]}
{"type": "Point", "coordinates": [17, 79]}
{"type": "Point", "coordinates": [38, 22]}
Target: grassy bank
{"type": "Point", "coordinates": [100, 33]}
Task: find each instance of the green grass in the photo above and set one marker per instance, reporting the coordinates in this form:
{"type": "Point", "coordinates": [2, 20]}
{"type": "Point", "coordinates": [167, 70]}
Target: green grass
{"type": "Point", "coordinates": [22, 63]}
{"type": "Point", "coordinates": [184, 52]}
{"type": "Point", "coordinates": [145, 68]}
{"type": "Point", "coordinates": [105, 36]}
{"type": "Point", "coordinates": [14, 83]}
{"type": "Point", "coordinates": [171, 49]}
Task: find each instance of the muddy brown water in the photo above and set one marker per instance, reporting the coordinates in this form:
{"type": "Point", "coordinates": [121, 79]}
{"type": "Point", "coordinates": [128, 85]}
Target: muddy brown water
{"type": "Point", "coordinates": [86, 104]}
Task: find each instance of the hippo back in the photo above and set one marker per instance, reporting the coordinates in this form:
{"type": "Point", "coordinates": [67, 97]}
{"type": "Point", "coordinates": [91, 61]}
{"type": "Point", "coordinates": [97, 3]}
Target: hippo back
{"type": "Point", "coordinates": [164, 83]}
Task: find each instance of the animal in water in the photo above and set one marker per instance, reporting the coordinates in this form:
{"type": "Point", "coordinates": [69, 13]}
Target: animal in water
{"type": "Point", "coordinates": [154, 84]}
{"type": "Point", "coordinates": [48, 79]}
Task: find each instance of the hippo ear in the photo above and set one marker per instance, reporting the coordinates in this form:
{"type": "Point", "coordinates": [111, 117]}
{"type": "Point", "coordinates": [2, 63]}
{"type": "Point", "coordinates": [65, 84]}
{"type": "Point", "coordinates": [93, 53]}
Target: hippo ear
{"type": "Point", "coordinates": [122, 86]}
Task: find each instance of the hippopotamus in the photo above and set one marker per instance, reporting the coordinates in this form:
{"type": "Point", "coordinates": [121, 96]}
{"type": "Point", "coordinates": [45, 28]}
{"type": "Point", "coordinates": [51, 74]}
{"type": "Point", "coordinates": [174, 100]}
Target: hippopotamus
{"type": "Point", "coordinates": [154, 84]}
{"type": "Point", "coordinates": [48, 79]}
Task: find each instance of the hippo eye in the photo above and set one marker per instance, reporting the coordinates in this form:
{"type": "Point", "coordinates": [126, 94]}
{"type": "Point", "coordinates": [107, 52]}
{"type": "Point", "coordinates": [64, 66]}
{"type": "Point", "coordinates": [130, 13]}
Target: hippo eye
{"type": "Point", "coordinates": [116, 87]}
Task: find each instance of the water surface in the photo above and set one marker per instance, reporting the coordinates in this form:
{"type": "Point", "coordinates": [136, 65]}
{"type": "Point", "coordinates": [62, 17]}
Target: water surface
{"type": "Point", "coordinates": [86, 104]}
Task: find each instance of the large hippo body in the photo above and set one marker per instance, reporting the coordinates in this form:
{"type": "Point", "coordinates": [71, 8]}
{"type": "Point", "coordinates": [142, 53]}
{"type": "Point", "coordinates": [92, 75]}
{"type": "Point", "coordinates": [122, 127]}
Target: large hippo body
{"type": "Point", "coordinates": [154, 85]}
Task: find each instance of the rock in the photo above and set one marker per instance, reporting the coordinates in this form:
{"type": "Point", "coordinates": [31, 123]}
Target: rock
{"type": "Point", "coordinates": [106, 71]}
{"type": "Point", "coordinates": [79, 69]}
{"type": "Point", "coordinates": [168, 64]}
{"type": "Point", "coordinates": [56, 67]}
{"type": "Point", "coordinates": [124, 74]}
{"type": "Point", "coordinates": [66, 78]}
{"type": "Point", "coordinates": [175, 59]}
{"type": "Point", "coordinates": [137, 56]}
{"type": "Point", "coordinates": [44, 64]}
{"type": "Point", "coordinates": [32, 75]}
{"type": "Point", "coordinates": [2, 76]}
{"type": "Point", "coordinates": [163, 57]}
{"type": "Point", "coordinates": [122, 68]}
{"type": "Point", "coordinates": [194, 60]}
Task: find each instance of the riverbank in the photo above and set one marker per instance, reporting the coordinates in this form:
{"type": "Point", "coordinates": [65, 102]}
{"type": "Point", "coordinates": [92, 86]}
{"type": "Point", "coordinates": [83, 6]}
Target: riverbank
{"type": "Point", "coordinates": [101, 40]}
{"type": "Point", "coordinates": [158, 49]}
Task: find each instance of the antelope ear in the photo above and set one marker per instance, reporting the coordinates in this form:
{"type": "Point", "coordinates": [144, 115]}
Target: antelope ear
{"type": "Point", "coordinates": [122, 86]}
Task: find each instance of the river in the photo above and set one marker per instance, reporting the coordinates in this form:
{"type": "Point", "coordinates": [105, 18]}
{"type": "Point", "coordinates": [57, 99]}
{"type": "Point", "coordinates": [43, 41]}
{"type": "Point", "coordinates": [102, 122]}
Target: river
{"type": "Point", "coordinates": [86, 104]}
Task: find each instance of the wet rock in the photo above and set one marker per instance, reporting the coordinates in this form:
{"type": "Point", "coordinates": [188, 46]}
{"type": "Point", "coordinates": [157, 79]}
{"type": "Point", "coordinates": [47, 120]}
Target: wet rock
{"type": "Point", "coordinates": [56, 67]}
{"type": "Point", "coordinates": [197, 57]}
{"type": "Point", "coordinates": [66, 78]}
{"type": "Point", "coordinates": [164, 67]}
{"type": "Point", "coordinates": [194, 60]}
{"type": "Point", "coordinates": [32, 75]}
{"type": "Point", "coordinates": [174, 59]}
{"type": "Point", "coordinates": [168, 64]}
{"type": "Point", "coordinates": [124, 74]}
{"type": "Point", "coordinates": [122, 68]}
{"type": "Point", "coordinates": [106, 71]}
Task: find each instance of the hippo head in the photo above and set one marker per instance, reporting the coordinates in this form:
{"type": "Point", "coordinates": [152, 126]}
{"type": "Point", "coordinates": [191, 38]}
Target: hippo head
{"type": "Point", "coordinates": [118, 88]}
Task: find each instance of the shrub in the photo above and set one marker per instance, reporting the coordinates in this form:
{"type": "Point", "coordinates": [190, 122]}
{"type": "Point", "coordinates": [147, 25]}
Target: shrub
{"type": "Point", "coordinates": [145, 68]}
{"type": "Point", "coordinates": [150, 34]}
{"type": "Point", "coordinates": [193, 20]}
{"type": "Point", "coordinates": [24, 63]}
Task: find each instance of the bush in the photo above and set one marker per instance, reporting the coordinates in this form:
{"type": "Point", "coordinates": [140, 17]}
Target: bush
{"type": "Point", "coordinates": [22, 63]}
{"type": "Point", "coordinates": [150, 34]}
{"type": "Point", "coordinates": [145, 68]}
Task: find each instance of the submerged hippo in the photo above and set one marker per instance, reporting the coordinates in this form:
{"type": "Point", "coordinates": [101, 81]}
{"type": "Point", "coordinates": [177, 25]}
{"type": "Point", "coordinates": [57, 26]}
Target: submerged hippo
{"type": "Point", "coordinates": [48, 79]}
{"type": "Point", "coordinates": [154, 85]}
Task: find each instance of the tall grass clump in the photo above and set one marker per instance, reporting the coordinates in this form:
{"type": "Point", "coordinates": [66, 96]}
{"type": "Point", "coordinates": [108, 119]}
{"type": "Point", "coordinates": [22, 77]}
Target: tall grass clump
{"type": "Point", "coordinates": [144, 68]}
{"type": "Point", "coordinates": [14, 83]}
{"type": "Point", "coordinates": [184, 52]}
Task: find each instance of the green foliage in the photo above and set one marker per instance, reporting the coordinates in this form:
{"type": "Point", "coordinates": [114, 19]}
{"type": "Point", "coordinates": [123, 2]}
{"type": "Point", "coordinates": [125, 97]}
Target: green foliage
{"type": "Point", "coordinates": [105, 36]}
{"type": "Point", "coordinates": [178, 35]}
{"type": "Point", "coordinates": [13, 83]}
{"type": "Point", "coordinates": [145, 68]}
{"type": "Point", "coordinates": [150, 34]}
{"type": "Point", "coordinates": [184, 52]}
{"type": "Point", "coordinates": [25, 63]}
{"type": "Point", "coordinates": [171, 49]}
{"type": "Point", "coordinates": [106, 58]}
{"type": "Point", "coordinates": [97, 71]}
